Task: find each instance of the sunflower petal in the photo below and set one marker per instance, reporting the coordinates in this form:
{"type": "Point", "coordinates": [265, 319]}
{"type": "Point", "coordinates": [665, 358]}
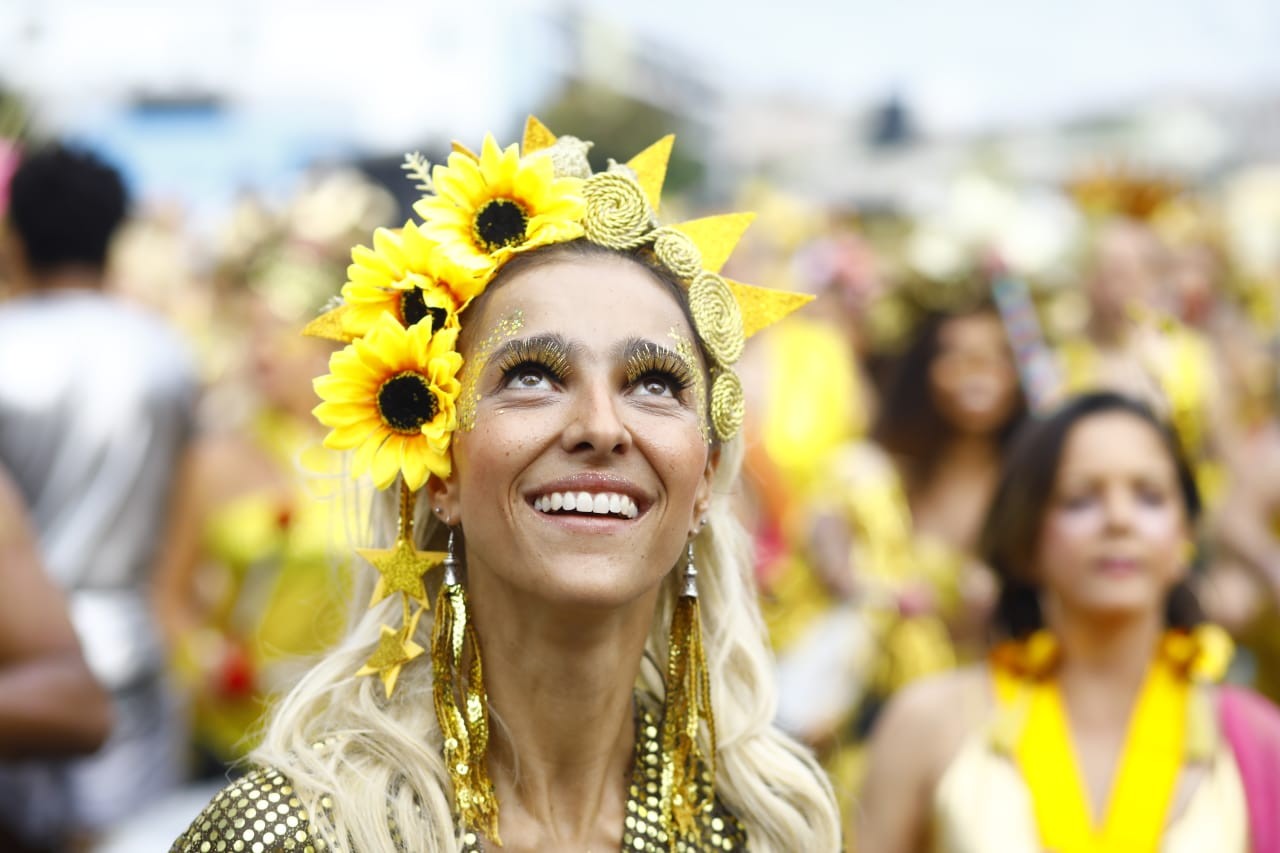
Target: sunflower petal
{"type": "Point", "coordinates": [386, 462]}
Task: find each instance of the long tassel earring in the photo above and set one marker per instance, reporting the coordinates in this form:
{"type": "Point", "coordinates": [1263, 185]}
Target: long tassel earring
{"type": "Point", "coordinates": [462, 707]}
{"type": "Point", "coordinates": [687, 701]}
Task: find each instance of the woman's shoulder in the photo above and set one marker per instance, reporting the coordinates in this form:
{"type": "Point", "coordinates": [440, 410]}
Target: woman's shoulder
{"type": "Point", "coordinates": [932, 717]}
{"type": "Point", "coordinates": [261, 810]}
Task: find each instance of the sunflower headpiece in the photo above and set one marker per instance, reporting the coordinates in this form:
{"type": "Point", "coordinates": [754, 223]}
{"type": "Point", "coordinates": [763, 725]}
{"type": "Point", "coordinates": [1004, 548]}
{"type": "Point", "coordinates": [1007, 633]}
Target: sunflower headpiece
{"type": "Point", "coordinates": [390, 395]}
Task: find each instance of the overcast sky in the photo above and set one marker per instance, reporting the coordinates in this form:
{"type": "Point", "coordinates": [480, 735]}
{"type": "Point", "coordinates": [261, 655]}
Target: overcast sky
{"type": "Point", "coordinates": [966, 63]}
{"type": "Point", "coordinates": [378, 75]}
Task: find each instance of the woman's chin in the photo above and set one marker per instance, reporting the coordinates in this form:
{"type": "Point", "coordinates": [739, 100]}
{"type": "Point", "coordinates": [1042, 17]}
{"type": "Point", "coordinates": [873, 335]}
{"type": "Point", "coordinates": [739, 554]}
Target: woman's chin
{"type": "Point", "coordinates": [587, 584]}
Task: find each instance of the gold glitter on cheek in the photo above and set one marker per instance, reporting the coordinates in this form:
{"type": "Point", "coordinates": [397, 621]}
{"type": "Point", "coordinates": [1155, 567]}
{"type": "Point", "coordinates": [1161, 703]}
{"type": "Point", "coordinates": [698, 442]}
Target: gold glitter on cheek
{"type": "Point", "coordinates": [689, 355]}
{"type": "Point", "coordinates": [473, 369]}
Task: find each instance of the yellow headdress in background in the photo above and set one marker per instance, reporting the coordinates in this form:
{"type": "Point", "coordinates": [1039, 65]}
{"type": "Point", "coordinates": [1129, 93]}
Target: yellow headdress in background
{"type": "Point", "coordinates": [391, 394]}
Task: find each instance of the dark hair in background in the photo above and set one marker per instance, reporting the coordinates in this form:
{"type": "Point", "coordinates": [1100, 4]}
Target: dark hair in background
{"type": "Point", "coordinates": [909, 424]}
{"type": "Point", "coordinates": [1012, 527]}
{"type": "Point", "coordinates": [64, 206]}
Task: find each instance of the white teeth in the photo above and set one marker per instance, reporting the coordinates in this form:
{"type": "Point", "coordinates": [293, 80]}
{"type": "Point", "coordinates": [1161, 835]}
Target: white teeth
{"type": "Point", "coordinates": [604, 503]}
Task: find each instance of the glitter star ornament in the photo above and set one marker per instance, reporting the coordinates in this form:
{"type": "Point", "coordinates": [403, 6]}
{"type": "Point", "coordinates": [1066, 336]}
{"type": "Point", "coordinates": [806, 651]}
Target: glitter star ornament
{"type": "Point", "coordinates": [400, 569]}
{"type": "Point", "coordinates": [395, 648]}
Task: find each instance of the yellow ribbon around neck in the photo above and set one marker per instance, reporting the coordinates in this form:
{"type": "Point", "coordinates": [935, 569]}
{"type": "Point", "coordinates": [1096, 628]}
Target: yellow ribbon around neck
{"type": "Point", "coordinates": [1157, 743]}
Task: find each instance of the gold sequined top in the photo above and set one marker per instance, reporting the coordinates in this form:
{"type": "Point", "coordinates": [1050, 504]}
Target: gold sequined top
{"type": "Point", "coordinates": [261, 813]}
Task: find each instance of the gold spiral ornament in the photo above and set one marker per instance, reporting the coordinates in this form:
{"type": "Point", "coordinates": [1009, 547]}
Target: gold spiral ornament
{"type": "Point", "coordinates": [718, 318]}
{"type": "Point", "coordinates": [618, 215]}
{"type": "Point", "coordinates": [677, 252]}
{"type": "Point", "coordinates": [727, 404]}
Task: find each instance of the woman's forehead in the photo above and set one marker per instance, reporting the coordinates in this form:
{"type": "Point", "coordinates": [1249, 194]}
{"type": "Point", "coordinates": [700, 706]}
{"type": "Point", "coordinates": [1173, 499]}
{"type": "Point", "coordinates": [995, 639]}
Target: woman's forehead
{"type": "Point", "coordinates": [592, 300]}
{"type": "Point", "coordinates": [1115, 441]}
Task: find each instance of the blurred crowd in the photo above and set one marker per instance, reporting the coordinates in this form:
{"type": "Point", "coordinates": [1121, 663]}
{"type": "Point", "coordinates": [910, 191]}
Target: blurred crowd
{"type": "Point", "coordinates": [173, 541]}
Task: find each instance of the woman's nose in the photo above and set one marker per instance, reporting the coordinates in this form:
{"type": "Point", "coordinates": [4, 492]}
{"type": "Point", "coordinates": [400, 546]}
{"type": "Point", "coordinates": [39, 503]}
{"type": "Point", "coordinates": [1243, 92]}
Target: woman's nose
{"type": "Point", "coordinates": [1119, 507]}
{"type": "Point", "coordinates": [595, 423]}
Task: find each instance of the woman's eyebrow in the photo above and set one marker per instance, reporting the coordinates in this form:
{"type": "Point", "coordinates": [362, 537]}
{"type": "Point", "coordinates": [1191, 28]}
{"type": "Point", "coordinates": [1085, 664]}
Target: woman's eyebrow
{"type": "Point", "coordinates": [632, 347]}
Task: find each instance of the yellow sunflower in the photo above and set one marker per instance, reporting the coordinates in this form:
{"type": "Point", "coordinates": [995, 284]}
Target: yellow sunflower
{"type": "Point", "coordinates": [406, 275]}
{"type": "Point", "coordinates": [390, 396]}
{"type": "Point", "coordinates": [490, 207]}
{"type": "Point", "coordinates": [414, 299]}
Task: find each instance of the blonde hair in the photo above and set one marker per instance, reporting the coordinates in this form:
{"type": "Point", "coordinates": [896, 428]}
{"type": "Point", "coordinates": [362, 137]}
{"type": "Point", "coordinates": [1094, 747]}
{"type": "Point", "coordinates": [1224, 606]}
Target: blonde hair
{"type": "Point", "coordinates": [370, 770]}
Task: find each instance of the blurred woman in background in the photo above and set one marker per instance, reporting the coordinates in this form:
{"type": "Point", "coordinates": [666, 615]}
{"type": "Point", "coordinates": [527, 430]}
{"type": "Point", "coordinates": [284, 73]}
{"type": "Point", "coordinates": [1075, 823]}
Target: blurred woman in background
{"type": "Point", "coordinates": [1095, 725]}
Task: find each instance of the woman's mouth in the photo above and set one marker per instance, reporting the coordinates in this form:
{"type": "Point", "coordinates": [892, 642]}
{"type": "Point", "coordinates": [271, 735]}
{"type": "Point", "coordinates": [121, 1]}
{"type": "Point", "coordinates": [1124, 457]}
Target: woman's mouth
{"type": "Point", "coordinates": [587, 504]}
{"type": "Point", "coordinates": [1118, 565]}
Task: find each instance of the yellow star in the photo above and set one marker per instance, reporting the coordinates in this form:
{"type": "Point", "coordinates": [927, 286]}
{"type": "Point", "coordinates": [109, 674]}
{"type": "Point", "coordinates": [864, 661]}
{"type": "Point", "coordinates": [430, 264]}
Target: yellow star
{"type": "Point", "coordinates": [395, 649]}
{"type": "Point", "coordinates": [401, 569]}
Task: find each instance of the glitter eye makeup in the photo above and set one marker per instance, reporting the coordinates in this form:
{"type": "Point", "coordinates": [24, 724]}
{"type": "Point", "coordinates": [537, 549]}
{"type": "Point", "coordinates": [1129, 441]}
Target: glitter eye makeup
{"type": "Point", "coordinates": [547, 354]}
{"type": "Point", "coordinates": [469, 397]}
{"type": "Point", "coordinates": [686, 352]}
{"type": "Point", "coordinates": [645, 359]}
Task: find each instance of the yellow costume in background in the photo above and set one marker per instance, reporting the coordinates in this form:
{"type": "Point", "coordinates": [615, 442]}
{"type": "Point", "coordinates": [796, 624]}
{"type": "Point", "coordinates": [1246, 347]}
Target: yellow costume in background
{"type": "Point", "coordinates": [1015, 786]}
{"type": "Point", "coordinates": [280, 594]}
{"type": "Point", "coordinates": [814, 408]}
{"type": "Point", "coordinates": [866, 647]}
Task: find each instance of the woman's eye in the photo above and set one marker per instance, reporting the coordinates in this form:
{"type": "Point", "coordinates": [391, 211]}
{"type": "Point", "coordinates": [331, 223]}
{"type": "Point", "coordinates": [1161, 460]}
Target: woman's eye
{"type": "Point", "coordinates": [1078, 501]}
{"type": "Point", "coordinates": [656, 385]}
{"type": "Point", "coordinates": [528, 378]}
{"type": "Point", "coordinates": [1151, 495]}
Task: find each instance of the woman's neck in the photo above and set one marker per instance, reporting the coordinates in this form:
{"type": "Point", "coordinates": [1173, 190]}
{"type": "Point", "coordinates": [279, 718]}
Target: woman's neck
{"type": "Point", "coordinates": [948, 503]}
{"type": "Point", "coordinates": [561, 683]}
{"type": "Point", "coordinates": [1104, 664]}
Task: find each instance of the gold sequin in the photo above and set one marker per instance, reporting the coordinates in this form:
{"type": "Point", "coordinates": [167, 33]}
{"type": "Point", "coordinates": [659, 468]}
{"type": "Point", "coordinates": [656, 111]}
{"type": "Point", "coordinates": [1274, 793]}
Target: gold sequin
{"type": "Point", "coordinates": [248, 816]}
{"type": "Point", "coordinates": [226, 823]}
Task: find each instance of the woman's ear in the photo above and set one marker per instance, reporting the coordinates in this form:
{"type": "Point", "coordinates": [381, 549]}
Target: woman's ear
{"type": "Point", "coordinates": [444, 496]}
{"type": "Point", "coordinates": [702, 497]}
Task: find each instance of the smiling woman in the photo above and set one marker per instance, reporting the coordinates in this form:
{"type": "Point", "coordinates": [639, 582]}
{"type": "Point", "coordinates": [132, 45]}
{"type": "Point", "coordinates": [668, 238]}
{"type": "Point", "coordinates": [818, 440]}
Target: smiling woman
{"type": "Point", "coordinates": [559, 425]}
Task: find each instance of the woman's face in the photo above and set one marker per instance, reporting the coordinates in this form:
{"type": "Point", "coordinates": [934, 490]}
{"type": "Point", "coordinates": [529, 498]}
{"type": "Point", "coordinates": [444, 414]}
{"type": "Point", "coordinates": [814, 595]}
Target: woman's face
{"type": "Point", "coordinates": [972, 377]}
{"type": "Point", "coordinates": [1115, 532]}
{"type": "Point", "coordinates": [582, 400]}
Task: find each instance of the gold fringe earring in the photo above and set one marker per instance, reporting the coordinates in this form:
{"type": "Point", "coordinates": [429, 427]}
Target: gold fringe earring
{"type": "Point", "coordinates": [687, 701]}
{"type": "Point", "coordinates": [462, 707]}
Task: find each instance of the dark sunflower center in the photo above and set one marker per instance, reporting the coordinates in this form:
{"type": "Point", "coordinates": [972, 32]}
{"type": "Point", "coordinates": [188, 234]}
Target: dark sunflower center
{"type": "Point", "coordinates": [413, 308]}
{"type": "Point", "coordinates": [500, 222]}
{"type": "Point", "coordinates": [406, 402]}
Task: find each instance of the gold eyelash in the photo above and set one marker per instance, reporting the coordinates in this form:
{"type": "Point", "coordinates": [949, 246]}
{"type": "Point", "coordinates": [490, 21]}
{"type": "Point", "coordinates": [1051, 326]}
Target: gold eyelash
{"type": "Point", "coordinates": [544, 352]}
{"type": "Point", "coordinates": [650, 358]}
